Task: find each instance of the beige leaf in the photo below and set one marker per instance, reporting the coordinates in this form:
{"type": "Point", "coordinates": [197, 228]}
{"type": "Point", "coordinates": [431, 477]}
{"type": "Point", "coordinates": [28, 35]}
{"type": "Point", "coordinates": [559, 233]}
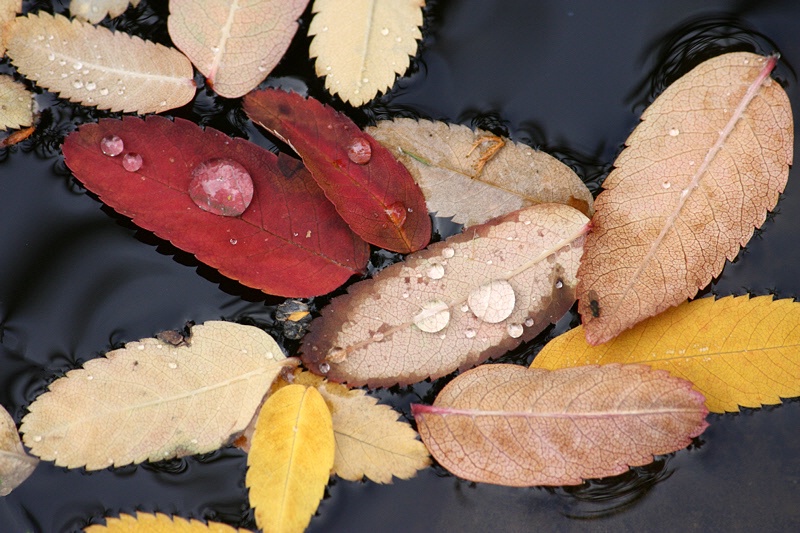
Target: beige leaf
{"type": "Point", "coordinates": [15, 464]}
{"type": "Point", "coordinates": [474, 176]}
{"type": "Point", "coordinates": [94, 66]}
{"type": "Point", "coordinates": [360, 45]}
{"type": "Point", "coordinates": [96, 10]}
{"type": "Point", "coordinates": [152, 400]}
{"type": "Point", "coordinates": [16, 110]}
{"type": "Point", "coordinates": [8, 10]}
{"type": "Point", "coordinates": [455, 304]}
{"type": "Point", "coordinates": [234, 43]}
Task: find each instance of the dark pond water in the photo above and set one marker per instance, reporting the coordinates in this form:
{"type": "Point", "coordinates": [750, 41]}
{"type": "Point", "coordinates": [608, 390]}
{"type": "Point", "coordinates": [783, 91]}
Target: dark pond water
{"type": "Point", "coordinates": [570, 77]}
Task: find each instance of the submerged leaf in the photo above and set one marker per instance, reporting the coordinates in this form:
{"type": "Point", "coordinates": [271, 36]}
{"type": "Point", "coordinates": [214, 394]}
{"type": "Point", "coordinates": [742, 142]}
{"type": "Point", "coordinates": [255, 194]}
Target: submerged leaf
{"type": "Point", "coordinates": [699, 173]}
{"type": "Point", "coordinates": [159, 523]}
{"type": "Point", "coordinates": [736, 351]}
{"type": "Point", "coordinates": [473, 176]}
{"type": "Point", "coordinates": [509, 425]}
{"type": "Point", "coordinates": [15, 464]}
{"type": "Point", "coordinates": [455, 304]}
{"type": "Point", "coordinates": [96, 10]}
{"type": "Point", "coordinates": [152, 400]}
{"type": "Point", "coordinates": [17, 107]}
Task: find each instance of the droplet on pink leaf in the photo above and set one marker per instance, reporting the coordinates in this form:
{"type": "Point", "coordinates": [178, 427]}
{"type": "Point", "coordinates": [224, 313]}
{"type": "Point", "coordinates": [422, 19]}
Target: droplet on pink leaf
{"type": "Point", "coordinates": [359, 151]}
{"type": "Point", "coordinates": [131, 161]}
{"type": "Point", "coordinates": [111, 145]}
{"type": "Point", "coordinates": [221, 186]}
{"type": "Point", "coordinates": [397, 213]}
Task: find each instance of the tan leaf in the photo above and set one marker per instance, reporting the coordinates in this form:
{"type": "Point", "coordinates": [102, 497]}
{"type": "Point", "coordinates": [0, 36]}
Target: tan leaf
{"type": "Point", "coordinates": [152, 400]}
{"type": "Point", "coordinates": [509, 425]}
{"type": "Point", "coordinates": [8, 10]}
{"type": "Point", "coordinates": [16, 110]}
{"type": "Point", "coordinates": [94, 66]}
{"type": "Point", "coordinates": [234, 43]}
{"type": "Point", "coordinates": [15, 464]}
{"type": "Point", "coordinates": [159, 523]}
{"type": "Point", "coordinates": [96, 10]}
{"type": "Point", "coordinates": [360, 45]}
{"type": "Point", "coordinates": [456, 303]}
{"type": "Point", "coordinates": [699, 173]}
{"type": "Point", "coordinates": [474, 176]}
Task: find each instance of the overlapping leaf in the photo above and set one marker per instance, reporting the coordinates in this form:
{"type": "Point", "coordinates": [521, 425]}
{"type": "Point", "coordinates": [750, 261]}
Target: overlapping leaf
{"type": "Point", "coordinates": [509, 425]}
{"type": "Point", "coordinates": [96, 10]}
{"type": "Point", "coordinates": [234, 44]}
{"type": "Point", "coordinates": [17, 107]}
{"type": "Point", "coordinates": [152, 400]}
{"type": "Point", "coordinates": [94, 66]}
{"type": "Point", "coordinates": [474, 296]}
{"type": "Point", "coordinates": [289, 242]}
{"type": "Point", "coordinates": [473, 176]}
{"type": "Point", "coordinates": [699, 173]}
{"type": "Point", "coordinates": [371, 190]}
{"type": "Point", "coordinates": [15, 464]}
{"type": "Point", "coordinates": [159, 523]}
{"type": "Point", "coordinates": [8, 10]}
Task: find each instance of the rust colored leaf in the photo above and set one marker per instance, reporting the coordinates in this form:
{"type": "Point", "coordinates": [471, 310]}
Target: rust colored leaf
{"type": "Point", "coordinates": [15, 464]}
{"type": "Point", "coordinates": [372, 191]}
{"type": "Point", "coordinates": [289, 242]}
{"type": "Point", "coordinates": [508, 425]}
{"type": "Point", "coordinates": [455, 304]}
{"type": "Point", "coordinates": [96, 10]}
{"type": "Point", "coordinates": [699, 173]}
{"type": "Point", "coordinates": [159, 523]}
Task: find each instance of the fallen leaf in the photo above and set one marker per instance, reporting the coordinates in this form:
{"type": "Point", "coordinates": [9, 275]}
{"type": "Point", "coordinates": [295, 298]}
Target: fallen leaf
{"type": "Point", "coordinates": [8, 11]}
{"type": "Point", "coordinates": [154, 401]}
{"type": "Point", "coordinates": [470, 176]}
{"type": "Point", "coordinates": [17, 108]}
{"type": "Point", "coordinates": [508, 425]}
{"type": "Point", "coordinates": [289, 242]}
{"type": "Point", "coordinates": [699, 173]}
{"type": "Point", "coordinates": [96, 10]}
{"type": "Point", "coordinates": [372, 191]}
{"type": "Point", "coordinates": [234, 44]}
{"type": "Point", "coordinates": [159, 523]}
{"type": "Point", "coordinates": [128, 74]}
{"type": "Point", "coordinates": [474, 296]}
{"type": "Point", "coordinates": [15, 464]}
{"type": "Point", "coordinates": [361, 45]}
{"type": "Point", "coordinates": [290, 458]}
{"type": "Point", "coordinates": [736, 351]}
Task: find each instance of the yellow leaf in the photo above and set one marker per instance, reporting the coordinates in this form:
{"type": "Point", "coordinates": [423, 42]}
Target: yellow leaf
{"type": "Point", "coordinates": [15, 464]}
{"type": "Point", "coordinates": [94, 66]}
{"type": "Point", "coordinates": [152, 400]}
{"type": "Point", "coordinates": [360, 45]}
{"type": "Point", "coordinates": [159, 523]}
{"type": "Point", "coordinates": [290, 458]}
{"type": "Point", "coordinates": [370, 440]}
{"type": "Point", "coordinates": [17, 108]}
{"type": "Point", "coordinates": [736, 351]}
{"type": "Point", "coordinates": [95, 10]}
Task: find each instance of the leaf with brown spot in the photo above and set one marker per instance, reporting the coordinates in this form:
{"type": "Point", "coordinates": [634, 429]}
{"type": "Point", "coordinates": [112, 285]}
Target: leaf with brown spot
{"type": "Point", "coordinates": [15, 464]}
{"type": "Point", "coordinates": [508, 425]}
{"type": "Point", "coordinates": [699, 173]}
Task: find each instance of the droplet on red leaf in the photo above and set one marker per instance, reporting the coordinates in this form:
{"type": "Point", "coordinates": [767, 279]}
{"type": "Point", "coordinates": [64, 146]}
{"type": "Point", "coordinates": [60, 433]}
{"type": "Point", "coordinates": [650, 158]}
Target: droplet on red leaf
{"type": "Point", "coordinates": [492, 302]}
{"type": "Point", "coordinates": [359, 151]}
{"type": "Point", "coordinates": [434, 317]}
{"type": "Point", "coordinates": [111, 145]}
{"type": "Point", "coordinates": [397, 213]}
{"type": "Point", "coordinates": [131, 161]}
{"type": "Point", "coordinates": [221, 186]}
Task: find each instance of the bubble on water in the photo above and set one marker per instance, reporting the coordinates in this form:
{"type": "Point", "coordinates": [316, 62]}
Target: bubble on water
{"type": "Point", "coordinates": [448, 252]}
{"type": "Point", "coordinates": [132, 161]}
{"type": "Point", "coordinates": [514, 330]}
{"type": "Point", "coordinates": [470, 333]}
{"type": "Point", "coordinates": [492, 302]}
{"type": "Point", "coordinates": [397, 213]}
{"type": "Point", "coordinates": [111, 145]}
{"type": "Point", "coordinates": [436, 271]}
{"type": "Point", "coordinates": [324, 368]}
{"type": "Point", "coordinates": [434, 317]}
{"type": "Point", "coordinates": [359, 151]}
{"type": "Point", "coordinates": [221, 186]}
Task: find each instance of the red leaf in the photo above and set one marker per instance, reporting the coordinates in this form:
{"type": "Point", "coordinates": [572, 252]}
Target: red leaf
{"type": "Point", "coordinates": [289, 242]}
{"type": "Point", "coordinates": [371, 190]}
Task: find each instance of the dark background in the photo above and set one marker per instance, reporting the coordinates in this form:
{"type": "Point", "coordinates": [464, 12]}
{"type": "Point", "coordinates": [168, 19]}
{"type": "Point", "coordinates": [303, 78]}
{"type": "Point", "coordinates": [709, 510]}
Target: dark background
{"type": "Point", "coordinates": [570, 77]}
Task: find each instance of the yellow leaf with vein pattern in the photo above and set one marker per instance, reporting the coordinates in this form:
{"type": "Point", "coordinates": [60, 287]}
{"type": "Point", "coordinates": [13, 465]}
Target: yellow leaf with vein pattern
{"type": "Point", "coordinates": [159, 523]}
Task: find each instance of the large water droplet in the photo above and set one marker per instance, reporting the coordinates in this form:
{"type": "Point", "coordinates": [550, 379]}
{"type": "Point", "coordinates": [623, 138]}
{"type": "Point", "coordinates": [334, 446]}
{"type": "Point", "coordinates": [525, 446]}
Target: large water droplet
{"type": "Point", "coordinates": [221, 186]}
{"type": "Point", "coordinates": [514, 330]}
{"type": "Point", "coordinates": [397, 213]}
{"type": "Point", "coordinates": [359, 151]}
{"type": "Point", "coordinates": [131, 161]}
{"type": "Point", "coordinates": [436, 271]}
{"type": "Point", "coordinates": [324, 368]}
{"type": "Point", "coordinates": [492, 302]}
{"type": "Point", "coordinates": [111, 145]}
{"type": "Point", "coordinates": [434, 317]}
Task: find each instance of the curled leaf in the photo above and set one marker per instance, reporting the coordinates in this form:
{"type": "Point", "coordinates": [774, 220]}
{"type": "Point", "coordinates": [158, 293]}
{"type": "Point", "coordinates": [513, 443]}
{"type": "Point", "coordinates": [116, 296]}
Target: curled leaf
{"type": "Point", "coordinates": [159, 523]}
{"type": "Point", "coordinates": [96, 10]}
{"type": "Point", "coordinates": [15, 464]}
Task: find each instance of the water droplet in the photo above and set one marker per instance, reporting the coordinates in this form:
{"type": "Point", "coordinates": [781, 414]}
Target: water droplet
{"type": "Point", "coordinates": [193, 441]}
{"type": "Point", "coordinates": [470, 333]}
{"type": "Point", "coordinates": [364, 80]}
{"type": "Point", "coordinates": [111, 145]}
{"type": "Point", "coordinates": [140, 347]}
{"type": "Point", "coordinates": [436, 271]}
{"type": "Point", "coordinates": [131, 161]}
{"type": "Point", "coordinates": [37, 438]}
{"type": "Point", "coordinates": [434, 317]}
{"type": "Point", "coordinates": [448, 252]}
{"type": "Point", "coordinates": [559, 284]}
{"type": "Point", "coordinates": [674, 132]}
{"type": "Point", "coordinates": [77, 84]}
{"type": "Point", "coordinates": [77, 66]}
{"type": "Point", "coordinates": [90, 378]}
{"type": "Point", "coordinates": [666, 185]}
{"type": "Point", "coordinates": [162, 103]}
{"type": "Point", "coordinates": [324, 368]}
{"type": "Point", "coordinates": [233, 241]}
{"type": "Point", "coordinates": [398, 39]}
{"type": "Point", "coordinates": [384, 31]}
{"type": "Point", "coordinates": [62, 62]}
{"type": "Point", "coordinates": [528, 322]}
{"type": "Point", "coordinates": [51, 56]}
{"type": "Point", "coordinates": [91, 86]}
{"type": "Point", "coordinates": [104, 91]}
{"type": "Point", "coordinates": [464, 308]}
{"type": "Point", "coordinates": [262, 68]}
{"type": "Point", "coordinates": [514, 330]}
{"type": "Point", "coordinates": [397, 213]}
{"type": "Point", "coordinates": [173, 365]}
{"type": "Point", "coordinates": [492, 302]}
{"type": "Point", "coordinates": [221, 186]}
{"type": "Point", "coordinates": [359, 151]}
{"type": "Point", "coordinates": [405, 295]}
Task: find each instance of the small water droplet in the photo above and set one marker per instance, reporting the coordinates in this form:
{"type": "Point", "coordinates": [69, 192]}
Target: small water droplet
{"type": "Point", "coordinates": [398, 39]}
{"type": "Point", "coordinates": [221, 186]}
{"type": "Point", "coordinates": [492, 302]}
{"type": "Point", "coordinates": [77, 66]}
{"type": "Point", "coordinates": [140, 347]}
{"type": "Point", "coordinates": [436, 271]}
{"type": "Point", "coordinates": [51, 56]}
{"type": "Point", "coordinates": [405, 295]}
{"type": "Point", "coordinates": [62, 62]}
{"type": "Point", "coordinates": [397, 213]}
{"type": "Point", "coordinates": [324, 28]}
{"type": "Point", "coordinates": [514, 330]}
{"type": "Point", "coordinates": [162, 103]}
{"type": "Point", "coordinates": [527, 222]}
{"type": "Point", "coordinates": [131, 161]}
{"type": "Point", "coordinates": [173, 365]}
{"type": "Point", "coordinates": [528, 322]}
{"type": "Point", "coordinates": [193, 441]}
{"type": "Point", "coordinates": [559, 284]}
{"type": "Point", "coordinates": [666, 185]}
{"type": "Point", "coordinates": [104, 91]}
{"type": "Point", "coordinates": [384, 31]}
{"type": "Point", "coordinates": [91, 86]}
{"type": "Point", "coordinates": [470, 333]}
{"type": "Point", "coordinates": [359, 151]}
{"type": "Point", "coordinates": [434, 317]}
{"type": "Point", "coordinates": [233, 241]}
{"type": "Point", "coordinates": [328, 68]}
{"type": "Point", "coordinates": [111, 145]}
{"type": "Point", "coordinates": [40, 37]}
{"type": "Point", "coordinates": [448, 252]}
{"type": "Point", "coordinates": [364, 80]}
{"type": "Point", "coordinates": [37, 438]}
{"type": "Point", "coordinates": [262, 68]}
{"type": "Point", "coordinates": [90, 378]}
{"type": "Point", "coordinates": [77, 84]}
{"type": "Point", "coordinates": [324, 368]}
{"type": "Point", "coordinates": [674, 132]}
{"type": "Point", "coordinates": [464, 307]}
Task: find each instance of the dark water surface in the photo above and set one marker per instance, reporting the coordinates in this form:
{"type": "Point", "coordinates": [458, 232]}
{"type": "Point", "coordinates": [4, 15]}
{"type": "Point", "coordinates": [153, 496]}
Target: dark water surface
{"type": "Point", "coordinates": [570, 77]}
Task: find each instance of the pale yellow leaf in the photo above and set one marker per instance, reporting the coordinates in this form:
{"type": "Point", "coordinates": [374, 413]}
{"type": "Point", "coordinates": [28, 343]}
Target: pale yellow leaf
{"type": "Point", "coordinates": [290, 459]}
{"type": "Point", "coordinates": [96, 10]}
{"type": "Point", "coordinates": [152, 400]}
{"type": "Point", "coordinates": [159, 523]}
{"type": "Point", "coordinates": [234, 43]}
{"type": "Point", "coordinates": [8, 10]}
{"type": "Point", "coordinates": [361, 45]}
{"type": "Point", "coordinates": [15, 464]}
{"type": "Point", "coordinates": [16, 104]}
{"type": "Point", "coordinates": [473, 176]}
{"type": "Point", "coordinates": [94, 66]}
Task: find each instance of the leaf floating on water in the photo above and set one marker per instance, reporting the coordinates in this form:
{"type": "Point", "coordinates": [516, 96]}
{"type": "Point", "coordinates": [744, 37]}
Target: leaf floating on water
{"type": "Point", "coordinates": [508, 425]}
{"type": "Point", "coordinates": [153, 401]}
{"type": "Point", "coordinates": [361, 45]}
{"type": "Point", "coordinates": [94, 66]}
{"type": "Point", "coordinates": [699, 173]}
{"type": "Point", "coordinates": [17, 108]}
{"type": "Point", "coordinates": [8, 11]}
{"type": "Point", "coordinates": [159, 523]}
{"type": "Point", "coordinates": [736, 351]}
{"type": "Point", "coordinates": [234, 44]}
{"type": "Point", "coordinates": [15, 464]}
{"type": "Point", "coordinates": [467, 175]}
{"type": "Point", "coordinates": [96, 10]}
{"type": "Point", "coordinates": [474, 296]}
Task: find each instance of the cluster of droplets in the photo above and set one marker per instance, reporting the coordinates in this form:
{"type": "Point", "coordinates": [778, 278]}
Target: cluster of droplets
{"type": "Point", "coordinates": [111, 145]}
